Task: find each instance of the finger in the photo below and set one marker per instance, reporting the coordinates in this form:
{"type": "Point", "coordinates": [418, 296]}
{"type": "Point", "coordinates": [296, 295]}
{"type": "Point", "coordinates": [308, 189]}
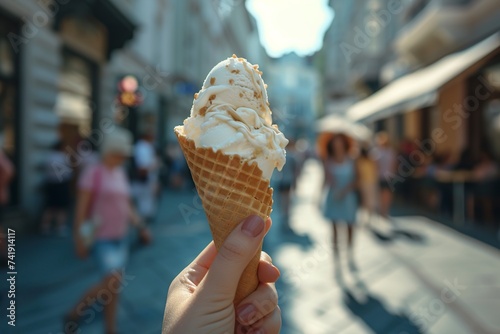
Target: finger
{"type": "Point", "coordinates": [266, 257]}
{"type": "Point", "coordinates": [206, 257]}
{"type": "Point", "coordinates": [269, 223]}
{"type": "Point", "coordinates": [267, 272]}
{"type": "Point", "coordinates": [271, 324]}
{"type": "Point", "coordinates": [232, 258]}
{"type": "Point", "coordinates": [194, 273]}
{"type": "Point", "coordinates": [259, 304]}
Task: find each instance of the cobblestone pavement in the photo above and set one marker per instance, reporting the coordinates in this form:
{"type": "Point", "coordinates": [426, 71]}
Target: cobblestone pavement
{"type": "Point", "coordinates": [411, 275]}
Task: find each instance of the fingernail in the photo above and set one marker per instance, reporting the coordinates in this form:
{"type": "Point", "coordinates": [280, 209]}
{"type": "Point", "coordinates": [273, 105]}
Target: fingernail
{"type": "Point", "coordinates": [253, 226]}
{"type": "Point", "coordinates": [277, 270]}
{"type": "Point", "coordinates": [246, 312]}
{"type": "Point", "coordinates": [273, 266]}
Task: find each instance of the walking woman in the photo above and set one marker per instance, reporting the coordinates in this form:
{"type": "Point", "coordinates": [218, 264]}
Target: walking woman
{"type": "Point", "coordinates": [340, 179]}
{"type": "Point", "coordinates": [386, 164]}
{"type": "Point", "coordinates": [103, 212]}
{"type": "Point", "coordinates": [368, 179]}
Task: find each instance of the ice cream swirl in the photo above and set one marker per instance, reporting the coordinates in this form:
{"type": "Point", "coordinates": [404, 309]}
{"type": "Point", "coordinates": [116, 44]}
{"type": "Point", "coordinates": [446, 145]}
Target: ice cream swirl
{"type": "Point", "coordinates": [231, 113]}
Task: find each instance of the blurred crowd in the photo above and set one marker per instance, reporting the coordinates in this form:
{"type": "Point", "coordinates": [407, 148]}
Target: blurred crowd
{"type": "Point", "coordinates": [117, 185]}
{"type": "Point", "coordinates": [445, 185]}
{"type": "Point", "coordinates": [358, 174]}
{"type": "Point", "coordinates": [369, 176]}
{"type": "Point", "coordinates": [147, 170]}
{"type": "Point", "coordinates": [105, 201]}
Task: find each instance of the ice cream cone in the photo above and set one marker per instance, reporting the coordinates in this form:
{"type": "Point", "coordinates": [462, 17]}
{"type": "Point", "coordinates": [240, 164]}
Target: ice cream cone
{"type": "Point", "coordinates": [230, 189]}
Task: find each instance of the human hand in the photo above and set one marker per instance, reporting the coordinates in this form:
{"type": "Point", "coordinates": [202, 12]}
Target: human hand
{"type": "Point", "coordinates": [145, 236]}
{"type": "Point", "coordinates": [200, 298]}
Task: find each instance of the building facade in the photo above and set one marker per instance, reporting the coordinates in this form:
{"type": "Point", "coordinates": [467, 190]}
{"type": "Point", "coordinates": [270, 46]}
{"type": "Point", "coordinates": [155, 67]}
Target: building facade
{"type": "Point", "coordinates": [356, 47]}
{"type": "Point", "coordinates": [62, 62]}
{"type": "Point", "coordinates": [447, 55]}
{"type": "Point", "coordinates": [53, 54]}
{"type": "Point", "coordinates": [294, 95]}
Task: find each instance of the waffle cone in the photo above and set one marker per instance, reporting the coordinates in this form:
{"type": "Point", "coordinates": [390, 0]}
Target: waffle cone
{"type": "Point", "coordinates": [230, 189]}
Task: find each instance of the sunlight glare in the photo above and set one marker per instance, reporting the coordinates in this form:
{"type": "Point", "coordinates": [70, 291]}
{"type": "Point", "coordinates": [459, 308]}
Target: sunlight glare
{"type": "Point", "coordinates": [291, 25]}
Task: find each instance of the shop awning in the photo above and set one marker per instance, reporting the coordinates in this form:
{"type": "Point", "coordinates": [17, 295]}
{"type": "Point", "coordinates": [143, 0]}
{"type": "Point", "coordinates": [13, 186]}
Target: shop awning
{"type": "Point", "coordinates": [339, 124]}
{"type": "Point", "coordinates": [420, 89]}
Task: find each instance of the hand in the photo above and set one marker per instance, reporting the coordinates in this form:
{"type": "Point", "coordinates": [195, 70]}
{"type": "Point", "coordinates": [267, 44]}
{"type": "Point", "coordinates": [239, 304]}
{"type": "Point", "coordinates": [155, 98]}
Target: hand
{"type": "Point", "coordinates": [145, 236]}
{"type": "Point", "coordinates": [200, 298]}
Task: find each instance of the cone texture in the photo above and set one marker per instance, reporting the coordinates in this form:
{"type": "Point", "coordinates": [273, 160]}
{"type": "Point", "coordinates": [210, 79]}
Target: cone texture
{"type": "Point", "coordinates": [230, 190]}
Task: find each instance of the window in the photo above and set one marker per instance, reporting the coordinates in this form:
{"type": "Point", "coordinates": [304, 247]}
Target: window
{"type": "Point", "coordinates": [75, 100]}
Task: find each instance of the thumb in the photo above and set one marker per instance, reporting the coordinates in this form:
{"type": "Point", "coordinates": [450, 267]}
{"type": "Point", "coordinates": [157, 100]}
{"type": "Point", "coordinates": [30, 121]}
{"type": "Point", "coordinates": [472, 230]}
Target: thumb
{"type": "Point", "coordinates": [232, 258]}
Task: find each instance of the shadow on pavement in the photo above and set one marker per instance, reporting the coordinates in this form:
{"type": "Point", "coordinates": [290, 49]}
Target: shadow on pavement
{"type": "Point", "coordinates": [287, 284]}
{"type": "Point", "coordinates": [302, 240]}
{"type": "Point", "coordinates": [370, 310]}
{"type": "Point", "coordinates": [397, 233]}
{"type": "Point", "coordinates": [472, 229]}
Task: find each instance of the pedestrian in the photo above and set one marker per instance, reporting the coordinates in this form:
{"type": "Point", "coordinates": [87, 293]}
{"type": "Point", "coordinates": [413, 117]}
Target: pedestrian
{"type": "Point", "coordinates": [386, 163]}
{"type": "Point", "coordinates": [287, 180]}
{"type": "Point", "coordinates": [145, 180]}
{"type": "Point", "coordinates": [340, 179]}
{"type": "Point", "coordinates": [368, 186]}
{"type": "Point", "coordinates": [6, 175]}
{"type": "Point", "coordinates": [179, 171]}
{"type": "Point", "coordinates": [407, 189]}
{"type": "Point", "coordinates": [92, 155]}
{"type": "Point", "coordinates": [57, 189]}
{"type": "Point", "coordinates": [103, 212]}
{"type": "Point", "coordinates": [200, 298]}
{"type": "Point", "coordinates": [484, 175]}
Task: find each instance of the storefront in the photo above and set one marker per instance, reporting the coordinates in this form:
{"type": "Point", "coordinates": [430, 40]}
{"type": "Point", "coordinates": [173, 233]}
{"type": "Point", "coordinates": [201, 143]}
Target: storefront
{"type": "Point", "coordinates": [90, 31]}
{"type": "Point", "coordinates": [451, 122]}
{"type": "Point", "coordinates": [52, 62]}
{"type": "Point", "coordinates": [449, 96]}
{"type": "Point", "coordinates": [76, 104]}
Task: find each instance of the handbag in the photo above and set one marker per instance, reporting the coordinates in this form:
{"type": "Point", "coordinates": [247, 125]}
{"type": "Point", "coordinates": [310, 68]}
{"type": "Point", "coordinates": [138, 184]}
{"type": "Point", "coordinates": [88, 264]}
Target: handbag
{"type": "Point", "coordinates": [89, 226]}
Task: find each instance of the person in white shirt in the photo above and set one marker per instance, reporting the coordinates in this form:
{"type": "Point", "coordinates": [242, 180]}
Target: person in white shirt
{"type": "Point", "coordinates": [145, 179]}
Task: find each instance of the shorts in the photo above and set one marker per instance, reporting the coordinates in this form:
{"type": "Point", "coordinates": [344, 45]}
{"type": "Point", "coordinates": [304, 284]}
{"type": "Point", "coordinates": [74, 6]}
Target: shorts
{"type": "Point", "coordinates": [110, 255]}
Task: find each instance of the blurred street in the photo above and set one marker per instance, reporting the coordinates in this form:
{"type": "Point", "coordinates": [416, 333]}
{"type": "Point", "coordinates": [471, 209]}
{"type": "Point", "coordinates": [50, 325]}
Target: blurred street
{"type": "Point", "coordinates": [411, 276]}
{"type": "Point", "coordinates": [376, 122]}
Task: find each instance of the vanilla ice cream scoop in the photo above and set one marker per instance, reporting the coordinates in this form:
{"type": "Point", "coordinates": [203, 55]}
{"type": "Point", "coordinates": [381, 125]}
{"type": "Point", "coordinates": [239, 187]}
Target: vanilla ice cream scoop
{"type": "Point", "coordinates": [231, 114]}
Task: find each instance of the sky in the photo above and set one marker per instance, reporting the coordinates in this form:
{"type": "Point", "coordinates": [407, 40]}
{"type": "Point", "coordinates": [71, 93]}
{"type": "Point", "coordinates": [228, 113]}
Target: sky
{"type": "Point", "coordinates": [291, 25]}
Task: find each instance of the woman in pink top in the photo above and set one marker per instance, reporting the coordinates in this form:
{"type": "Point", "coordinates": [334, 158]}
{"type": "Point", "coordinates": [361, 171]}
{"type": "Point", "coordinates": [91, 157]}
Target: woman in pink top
{"type": "Point", "coordinates": [104, 200]}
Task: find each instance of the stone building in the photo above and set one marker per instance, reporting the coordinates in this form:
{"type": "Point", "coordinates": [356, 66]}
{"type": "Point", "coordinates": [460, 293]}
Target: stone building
{"type": "Point", "coordinates": [61, 63]}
